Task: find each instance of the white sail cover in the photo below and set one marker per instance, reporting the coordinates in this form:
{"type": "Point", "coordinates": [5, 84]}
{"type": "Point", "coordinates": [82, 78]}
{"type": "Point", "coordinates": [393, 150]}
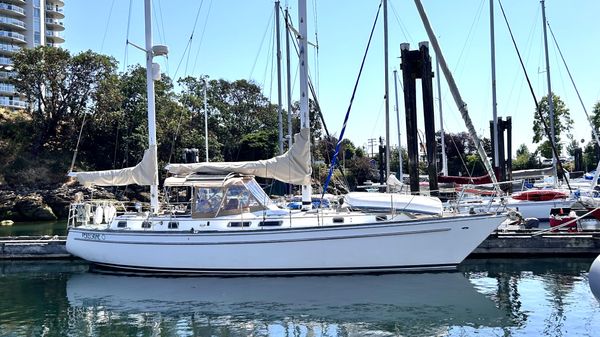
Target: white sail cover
{"type": "Point", "coordinates": [291, 167]}
{"type": "Point", "coordinates": [144, 173]}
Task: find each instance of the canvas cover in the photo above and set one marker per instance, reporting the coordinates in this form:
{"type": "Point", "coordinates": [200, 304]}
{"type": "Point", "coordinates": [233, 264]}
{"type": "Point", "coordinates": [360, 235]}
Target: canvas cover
{"type": "Point", "coordinates": [144, 173]}
{"type": "Point", "coordinates": [292, 167]}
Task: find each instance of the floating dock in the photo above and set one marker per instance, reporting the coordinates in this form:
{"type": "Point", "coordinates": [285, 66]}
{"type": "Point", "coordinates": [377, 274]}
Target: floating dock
{"type": "Point", "coordinates": [528, 243]}
{"type": "Point", "coordinates": [32, 247]}
{"type": "Point", "coordinates": [525, 243]}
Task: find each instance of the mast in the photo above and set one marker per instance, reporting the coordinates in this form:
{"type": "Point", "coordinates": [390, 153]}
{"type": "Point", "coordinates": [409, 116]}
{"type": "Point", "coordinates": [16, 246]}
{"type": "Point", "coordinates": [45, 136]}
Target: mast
{"type": "Point", "coordinates": [387, 101]}
{"type": "Point", "coordinates": [461, 105]}
{"type": "Point", "coordinates": [494, 103]}
{"type": "Point", "coordinates": [443, 141]}
{"type": "Point", "coordinates": [550, 100]}
{"type": "Point", "coordinates": [398, 121]}
{"type": "Point", "coordinates": [151, 109]}
{"type": "Point", "coordinates": [279, 112]}
{"type": "Point", "coordinates": [289, 81]}
{"type": "Point", "coordinates": [304, 112]}
{"type": "Point", "coordinates": [205, 121]}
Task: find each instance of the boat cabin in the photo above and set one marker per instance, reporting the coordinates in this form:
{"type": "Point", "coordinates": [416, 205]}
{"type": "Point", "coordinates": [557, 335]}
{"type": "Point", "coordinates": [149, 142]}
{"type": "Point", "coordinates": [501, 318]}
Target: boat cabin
{"type": "Point", "coordinates": [213, 196]}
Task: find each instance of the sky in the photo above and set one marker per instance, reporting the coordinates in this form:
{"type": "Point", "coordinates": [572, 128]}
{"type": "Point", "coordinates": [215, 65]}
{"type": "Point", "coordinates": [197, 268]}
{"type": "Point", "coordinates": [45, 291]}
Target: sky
{"type": "Point", "coordinates": [234, 39]}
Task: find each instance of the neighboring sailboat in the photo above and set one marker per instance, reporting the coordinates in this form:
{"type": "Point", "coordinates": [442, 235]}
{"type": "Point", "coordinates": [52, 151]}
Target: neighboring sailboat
{"type": "Point", "coordinates": [232, 227]}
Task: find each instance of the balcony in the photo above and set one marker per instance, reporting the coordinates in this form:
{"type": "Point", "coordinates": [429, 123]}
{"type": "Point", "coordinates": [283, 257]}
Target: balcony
{"type": "Point", "coordinates": [54, 37]}
{"type": "Point", "coordinates": [54, 11]}
{"type": "Point", "coordinates": [6, 61]}
{"type": "Point", "coordinates": [7, 89]}
{"type": "Point", "coordinates": [12, 23]}
{"type": "Point", "coordinates": [6, 75]}
{"type": "Point", "coordinates": [55, 24]}
{"type": "Point", "coordinates": [12, 103]}
{"type": "Point", "coordinates": [16, 2]}
{"type": "Point", "coordinates": [11, 10]}
{"type": "Point", "coordinates": [12, 37]}
{"type": "Point", "coordinates": [8, 48]}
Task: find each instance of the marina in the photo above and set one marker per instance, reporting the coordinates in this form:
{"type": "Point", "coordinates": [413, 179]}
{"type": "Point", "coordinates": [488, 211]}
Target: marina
{"type": "Point", "coordinates": [266, 232]}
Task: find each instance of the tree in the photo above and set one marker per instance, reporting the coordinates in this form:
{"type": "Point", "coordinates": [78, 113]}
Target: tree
{"type": "Point", "coordinates": [525, 159]}
{"type": "Point", "coordinates": [236, 109]}
{"type": "Point", "coordinates": [60, 89]}
{"type": "Point", "coordinates": [562, 123]}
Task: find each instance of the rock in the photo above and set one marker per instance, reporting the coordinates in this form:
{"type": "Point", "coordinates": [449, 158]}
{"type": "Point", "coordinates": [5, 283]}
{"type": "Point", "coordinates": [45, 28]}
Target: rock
{"type": "Point", "coordinates": [6, 223]}
{"type": "Point", "coordinates": [33, 208]}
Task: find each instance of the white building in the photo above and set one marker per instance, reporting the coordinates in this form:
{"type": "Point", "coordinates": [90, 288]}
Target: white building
{"type": "Point", "coordinates": [25, 24]}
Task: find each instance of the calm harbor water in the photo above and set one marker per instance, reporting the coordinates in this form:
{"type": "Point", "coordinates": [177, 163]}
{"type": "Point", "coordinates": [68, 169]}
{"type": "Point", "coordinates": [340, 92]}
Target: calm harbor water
{"type": "Point", "coordinates": [522, 297]}
{"type": "Point", "coordinates": [50, 228]}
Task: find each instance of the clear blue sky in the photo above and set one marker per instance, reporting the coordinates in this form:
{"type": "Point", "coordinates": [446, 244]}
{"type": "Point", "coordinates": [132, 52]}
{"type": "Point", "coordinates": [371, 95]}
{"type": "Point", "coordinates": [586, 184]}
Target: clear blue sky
{"type": "Point", "coordinates": [234, 39]}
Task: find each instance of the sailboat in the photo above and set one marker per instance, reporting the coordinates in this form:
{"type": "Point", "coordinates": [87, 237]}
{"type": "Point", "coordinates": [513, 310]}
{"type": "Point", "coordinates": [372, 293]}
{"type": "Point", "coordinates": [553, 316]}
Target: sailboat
{"type": "Point", "coordinates": [534, 203]}
{"type": "Point", "coordinates": [231, 227]}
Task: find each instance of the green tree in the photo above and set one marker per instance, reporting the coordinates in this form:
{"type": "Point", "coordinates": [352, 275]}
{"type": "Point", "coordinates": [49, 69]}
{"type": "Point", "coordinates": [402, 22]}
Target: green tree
{"type": "Point", "coordinates": [562, 123]}
{"type": "Point", "coordinates": [236, 109]}
{"type": "Point", "coordinates": [60, 89]}
{"type": "Point", "coordinates": [525, 159]}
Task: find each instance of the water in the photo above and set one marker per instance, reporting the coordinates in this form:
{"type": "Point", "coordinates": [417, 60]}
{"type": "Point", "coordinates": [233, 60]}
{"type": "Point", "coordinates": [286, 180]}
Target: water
{"type": "Point", "coordinates": [523, 297]}
{"type": "Point", "coordinates": [50, 228]}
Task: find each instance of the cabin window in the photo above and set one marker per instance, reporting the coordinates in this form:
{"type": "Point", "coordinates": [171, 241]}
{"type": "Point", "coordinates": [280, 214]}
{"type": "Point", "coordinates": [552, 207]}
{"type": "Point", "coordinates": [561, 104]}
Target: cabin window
{"type": "Point", "coordinates": [270, 223]}
{"type": "Point", "coordinates": [122, 224]}
{"type": "Point", "coordinates": [146, 224]}
{"type": "Point", "coordinates": [238, 200]}
{"type": "Point", "coordinates": [381, 218]}
{"type": "Point", "coordinates": [239, 224]}
{"type": "Point", "coordinates": [173, 225]}
{"type": "Point", "coordinates": [338, 220]}
{"type": "Point", "coordinates": [207, 201]}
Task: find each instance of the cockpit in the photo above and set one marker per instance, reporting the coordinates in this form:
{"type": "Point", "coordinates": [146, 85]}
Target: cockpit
{"type": "Point", "coordinates": [213, 196]}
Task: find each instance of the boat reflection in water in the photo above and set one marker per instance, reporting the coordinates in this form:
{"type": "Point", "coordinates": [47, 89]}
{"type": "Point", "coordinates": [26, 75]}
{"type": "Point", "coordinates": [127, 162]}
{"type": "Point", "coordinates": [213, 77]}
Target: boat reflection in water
{"type": "Point", "coordinates": [409, 304]}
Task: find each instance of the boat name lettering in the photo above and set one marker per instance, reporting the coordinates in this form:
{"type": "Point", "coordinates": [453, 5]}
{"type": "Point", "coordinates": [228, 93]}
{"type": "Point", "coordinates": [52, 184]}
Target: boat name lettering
{"type": "Point", "coordinates": [93, 236]}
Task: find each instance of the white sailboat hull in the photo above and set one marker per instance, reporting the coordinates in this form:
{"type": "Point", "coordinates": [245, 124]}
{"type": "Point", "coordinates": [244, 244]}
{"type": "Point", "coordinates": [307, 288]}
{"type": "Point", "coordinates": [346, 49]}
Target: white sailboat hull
{"type": "Point", "coordinates": [437, 243]}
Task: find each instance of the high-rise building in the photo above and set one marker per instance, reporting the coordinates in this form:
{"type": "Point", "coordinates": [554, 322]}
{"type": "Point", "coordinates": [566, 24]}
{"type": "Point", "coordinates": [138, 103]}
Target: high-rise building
{"type": "Point", "coordinates": [25, 24]}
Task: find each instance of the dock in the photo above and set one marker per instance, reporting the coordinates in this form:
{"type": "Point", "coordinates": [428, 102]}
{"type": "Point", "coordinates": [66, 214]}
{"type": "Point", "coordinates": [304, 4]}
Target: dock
{"type": "Point", "coordinates": [33, 247]}
{"type": "Point", "coordinates": [524, 243]}
{"type": "Point", "coordinates": [527, 243]}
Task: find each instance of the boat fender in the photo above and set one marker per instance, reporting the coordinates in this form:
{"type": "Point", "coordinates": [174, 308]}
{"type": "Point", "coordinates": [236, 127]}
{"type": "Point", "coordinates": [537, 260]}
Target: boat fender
{"type": "Point", "coordinates": [594, 278]}
{"type": "Point", "coordinates": [98, 215]}
{"type": "Point", "coordinates": [109, 213]}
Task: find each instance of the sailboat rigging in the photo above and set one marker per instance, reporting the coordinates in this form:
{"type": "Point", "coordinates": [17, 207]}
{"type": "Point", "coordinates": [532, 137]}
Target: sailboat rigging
{"type": "Point", "coordinates": [231, 227]}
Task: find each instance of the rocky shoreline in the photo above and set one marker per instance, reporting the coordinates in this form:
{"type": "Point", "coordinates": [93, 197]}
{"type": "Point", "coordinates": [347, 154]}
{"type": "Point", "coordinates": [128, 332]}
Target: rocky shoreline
{"type": "Point", "coordinates": [47, 203]}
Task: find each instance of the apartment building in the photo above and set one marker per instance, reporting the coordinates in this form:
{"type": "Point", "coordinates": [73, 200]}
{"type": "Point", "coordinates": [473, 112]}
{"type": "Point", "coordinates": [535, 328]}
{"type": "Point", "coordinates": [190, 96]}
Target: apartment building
{"type": "Point", "coordinates": [25, 24]}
